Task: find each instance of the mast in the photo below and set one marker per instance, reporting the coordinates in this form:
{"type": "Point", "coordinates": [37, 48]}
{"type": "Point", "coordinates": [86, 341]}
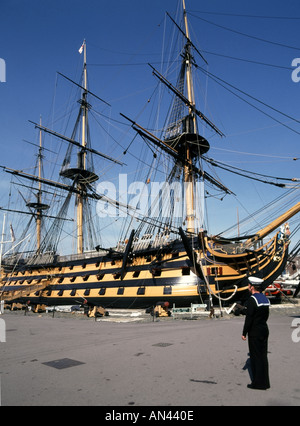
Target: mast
{"type": "Point", "coordinates": [181, 139]}
{"type": "Point", "coordinates": [39, 195]}
{"type": "Point", "coordinates": [82, 156]}
{"type": "Point", "coordinates": [38, 206]}
{"type": "Point", "coordinates": [81, 176]}
{"type": "Point", "coordinates": [189, 78]}
{"type": "Point", "coordinates": [188, 175]}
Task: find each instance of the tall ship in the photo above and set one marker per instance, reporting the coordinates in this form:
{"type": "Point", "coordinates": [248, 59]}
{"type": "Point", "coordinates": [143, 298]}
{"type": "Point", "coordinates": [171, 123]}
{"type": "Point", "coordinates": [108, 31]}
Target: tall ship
{"type": "Point", "coordinates": [165, 254]}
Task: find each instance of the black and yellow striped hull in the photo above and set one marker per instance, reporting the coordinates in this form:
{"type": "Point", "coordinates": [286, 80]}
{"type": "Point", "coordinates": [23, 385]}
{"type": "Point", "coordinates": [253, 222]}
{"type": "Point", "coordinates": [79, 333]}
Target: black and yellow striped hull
{"type": "Point", "coordinates": [151, 276]}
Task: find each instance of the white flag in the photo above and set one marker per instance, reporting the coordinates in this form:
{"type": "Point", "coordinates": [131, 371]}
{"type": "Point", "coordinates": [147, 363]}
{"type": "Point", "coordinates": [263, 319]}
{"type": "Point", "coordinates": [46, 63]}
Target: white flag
{"type": "Point", "coordinates": [12, 234]}
{"type": "Point", "coordinates": [81, 48]}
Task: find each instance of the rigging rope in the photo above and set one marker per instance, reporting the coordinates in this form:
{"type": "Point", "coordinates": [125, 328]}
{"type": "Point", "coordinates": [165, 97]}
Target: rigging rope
{"type": "Point", "coordinates": [246, 35]}
{"type": "Point", "coordinates": [218, 80]}
{"type": "Point", "coordinates": [222, 166]}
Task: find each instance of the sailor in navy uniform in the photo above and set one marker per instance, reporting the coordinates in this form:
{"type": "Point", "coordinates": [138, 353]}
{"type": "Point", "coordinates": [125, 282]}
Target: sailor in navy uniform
{"type": "Point", "coordinates": [257, 314]}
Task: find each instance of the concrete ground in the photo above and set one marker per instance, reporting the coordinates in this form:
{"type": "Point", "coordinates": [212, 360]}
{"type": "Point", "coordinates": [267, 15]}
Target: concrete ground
{"type": "Point", "coordinates": [71, 360]}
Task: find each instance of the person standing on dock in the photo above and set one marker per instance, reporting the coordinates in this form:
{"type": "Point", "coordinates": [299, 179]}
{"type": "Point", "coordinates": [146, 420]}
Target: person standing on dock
{"type": "Point", "coordinates": [255, 326]}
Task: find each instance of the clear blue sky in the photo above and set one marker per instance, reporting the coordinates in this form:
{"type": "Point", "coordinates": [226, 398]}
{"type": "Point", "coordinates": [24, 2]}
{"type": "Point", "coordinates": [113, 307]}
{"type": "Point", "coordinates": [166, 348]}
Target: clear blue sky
{"type": "Point", "coordinates": [39, 38]}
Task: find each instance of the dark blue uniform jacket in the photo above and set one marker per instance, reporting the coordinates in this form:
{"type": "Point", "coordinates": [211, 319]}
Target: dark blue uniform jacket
{"type": "Point", "coordinates": [257, 314]}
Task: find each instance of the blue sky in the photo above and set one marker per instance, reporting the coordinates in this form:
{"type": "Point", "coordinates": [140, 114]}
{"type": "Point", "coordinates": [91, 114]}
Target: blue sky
{"type": "Point", "coordinates": [39, 38]}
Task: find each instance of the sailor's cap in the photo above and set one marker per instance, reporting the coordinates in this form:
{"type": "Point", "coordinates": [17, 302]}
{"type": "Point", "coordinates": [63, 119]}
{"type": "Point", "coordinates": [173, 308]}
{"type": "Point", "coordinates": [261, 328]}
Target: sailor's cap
{"type": "Point", "coordinates": [255, 281]}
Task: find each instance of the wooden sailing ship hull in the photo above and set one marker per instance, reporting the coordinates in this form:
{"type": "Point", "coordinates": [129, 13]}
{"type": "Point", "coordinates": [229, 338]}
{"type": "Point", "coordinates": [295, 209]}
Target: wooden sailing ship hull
{"type": "Point", "coordinates": [97, 282]}
{"type": "Point", "coordinates": [170, 275]}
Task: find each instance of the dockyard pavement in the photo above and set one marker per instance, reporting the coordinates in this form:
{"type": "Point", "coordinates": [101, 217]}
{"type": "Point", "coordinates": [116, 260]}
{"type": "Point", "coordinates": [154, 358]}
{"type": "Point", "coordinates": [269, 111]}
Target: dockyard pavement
{"type": "Point", "coordinates": [68, 360]}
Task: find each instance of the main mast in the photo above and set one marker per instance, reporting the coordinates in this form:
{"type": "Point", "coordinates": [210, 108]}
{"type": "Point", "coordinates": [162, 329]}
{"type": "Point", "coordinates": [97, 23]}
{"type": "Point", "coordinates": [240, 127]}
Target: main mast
{"type": "Point", "coordinates": [181, 139]}
{"type": "Point", "coordinates": [188, 175]}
